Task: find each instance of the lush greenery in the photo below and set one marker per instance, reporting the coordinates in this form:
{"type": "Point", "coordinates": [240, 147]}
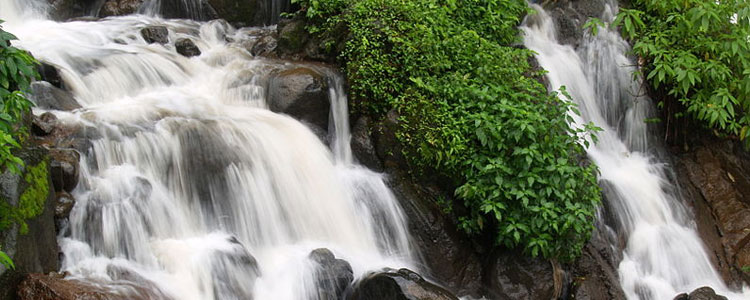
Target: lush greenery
{"type": "Point", "coordinates": [17, 70]}
{"type": "Point", "coordinates": [6, 261]}
{"type": "Point", "coordinates": [697, 53]}
{"type": "Point", "coordinates": [470, 110]}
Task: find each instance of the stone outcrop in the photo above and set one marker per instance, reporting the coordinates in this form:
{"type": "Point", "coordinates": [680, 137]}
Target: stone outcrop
{"type": "Point", "coordinates": [719, 172]}
{"type": "Point", "coordinates": [398, 285]}
{"type": "Point", "coordinates": [119, 7]}
{"type": "Point", "coordinates": [332, 275]}
{"type": "Point", "coordinates": [155, 34]}
{"type": "Point", "coordinates": [55, 287]}
{"type": "Point", "coordinates": [187, 48]}
{"type": "Point", "coordinates": [301, 93]}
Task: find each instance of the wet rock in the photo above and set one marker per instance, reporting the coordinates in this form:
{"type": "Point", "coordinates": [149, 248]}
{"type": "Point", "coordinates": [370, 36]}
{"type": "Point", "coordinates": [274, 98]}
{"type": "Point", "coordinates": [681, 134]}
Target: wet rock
{"type": "Point", "coordinates": [64, 169]}
{"type": "Point", "coordinates": [682, 296]}
{"type": "Point", "coordinates": [387, 145]}
{"type": "Point", "coordinates": [46, 287]}
{"type": "Point", "coordinates": [37, 250]}
{"type": "Point", "coordinates": [47, 96]}
{"type": "Point", "coordinates": [398, 285]}
{"type": "Point", "coordinates": [235, 270]}
{"type": "Point", "coordinates": [292, 35]}
{"type": "Point", "coordinates": [333, 275]}
{"type": "Point", "coordinates": [119, 7]}
{"type": "Point", "coordinates": [187, 48]}
{"type": "Point", "coordinates": [301, 93]}
{"type": "Point", "coordinates": [64, 205]}
{"type": "Point", "coordinates": [264, 46]}
{"type": "Point", "coordinates": [515, 276]}
{"type": "Point", "coordinates": [198, 10]}
{"type": "Point", "coordinates": [719, 175]}
{"type": "Point", "coordinates": [570, 15]}
{"type": "Point", "coordinates": [594, 273]}
{"type": "Point", "coordinates": [62, 10]}
{"type": "Point", "coordinates": [447, 253]}
{"type": "Point", "coordinates": [363, 147]}
{"type": "Point", "coordinates": [155, 34]}
{"type": "Point", "coordinates": [51, 74]}
{"type": "Point", "coordinates": [705, 293]}
{"type": "Point", "coordinates": [44, 124]}
{"type": "Point", "coordinates": [238, 12]}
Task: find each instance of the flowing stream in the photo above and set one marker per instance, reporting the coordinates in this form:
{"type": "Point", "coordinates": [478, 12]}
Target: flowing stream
{"type": "Point", "coordinates": [191, 180]}
{"type": "Point", "coordinates": [663, 255]}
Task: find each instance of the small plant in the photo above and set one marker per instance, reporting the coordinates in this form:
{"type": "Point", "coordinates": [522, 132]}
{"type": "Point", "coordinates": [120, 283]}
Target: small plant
{"type": "Point", "coordinates": [6, 261]}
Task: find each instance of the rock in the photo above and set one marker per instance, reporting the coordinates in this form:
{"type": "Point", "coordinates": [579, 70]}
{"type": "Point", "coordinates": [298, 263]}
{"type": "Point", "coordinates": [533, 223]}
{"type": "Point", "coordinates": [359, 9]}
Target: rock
{"type": "Point", "coordinates": [516, 276]}
{"type": "Point", "coordinates": [705, 293]}
{"type": "Point", "coordinates": [682, 296]}
{"type": "Point", "coordinates": [240, 13]}
{"type": "Point", "coordinates": [64, 205]}
{"type": "Point", "coordinates": [155, 34]}
{"type": "Point", "coordinates": [595, 275]}
{"type": "Point", "coordinates": [65, 168]}
{"type": "Point", "coordinates": [292, 35]}
{"type": "Point", "coordinates": [47, 96]}
{"type": "Point", "coordinates": [51, 74]}
{"type": "Point", "coordinates": [198, 10]}
{"type": "Point", "coordinates": [301, 93]}
{"type": "Point", "coordinates": [265, 46]}
{"type": "Point", "coordinates": [447, 253]}
{"type": "Point", "coordinates": [187, 48]}
{"type": "Point", "coordinates": [62, 10]}
{"type": "Point", "coordinates": [119, 7]}
{"type": "Point", "coordinates": [333, 275]}
{"type": "Point", "coordinates": [719, 175]}
{"type": "Point", "coordinates": [37, 249]}
{"type": "Point", "coordinates": [236, 269]}
{"type": "Point", "coordinates": [45, 287]}
{"type": "Point", "coordinates": [387, 145]}
{"type": "Point", "coordinates": [398, 285]}
{"type": "Point", "coordinates": [363, 147]}
{"type": "Point", "coordinates": [44, 124]}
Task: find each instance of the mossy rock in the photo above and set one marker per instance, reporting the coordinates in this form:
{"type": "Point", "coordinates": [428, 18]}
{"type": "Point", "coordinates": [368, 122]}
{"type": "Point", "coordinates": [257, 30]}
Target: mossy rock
{"type": "Point", "coordinates": [292, 36]}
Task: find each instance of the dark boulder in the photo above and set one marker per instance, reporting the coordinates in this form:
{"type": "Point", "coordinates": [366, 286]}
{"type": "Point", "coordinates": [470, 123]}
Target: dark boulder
{"type": "Point", "coordinates": [235, 271]}
{"type": "Point", "coordinates": [683, 296]}
{"type": "Point", "coordinates": [119, 7]}
{"type": "Point", "coordinates": [64, 168]}
{"type": "Point", "coordinates": [36, 250]}
{"type": "Point", "coordinates": [51, 74]}
{"type": "Point", "coordinates": [571, 15]}
{"type": "Point", "coordinates": [332, 275]}
{"type": "Point", "coordinates": [199, 10]}
{"type": "Point", "coordinates": [47, 96]}
{"type": "Point", "coordinates": [516, 276]}
{"type": "Point", "coordinates": [301, 93]}
{"type": "Point", "coordinates": [44, 124]}
{"type": "Point", "coordinates": [264, 46]}
{"type": "Point", "coordinates": [187, 48]}
{"type": "Point", "coordinates": [292, 36]}
{"type": "Point", "coordinates": [705, 293]}
{"type": "Point", "coordinates": [239, 13]}
{"type": "Point", "coordinates": [363, 147]}
{"type": "Point", "coordinates": [55, 287]}
{"type": "Point", "coordinates": [155, 34]}
{"type": "Point", "coordinates": [398, 285]}
{"type": "Point", "coordinates": [62, 10]}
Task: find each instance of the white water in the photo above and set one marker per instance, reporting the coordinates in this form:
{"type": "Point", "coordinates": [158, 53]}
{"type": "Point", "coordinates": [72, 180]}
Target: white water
{"type": "Point", "coordinates": [663, 255]}
{"type": "Point", "coordinates": [192, 171]}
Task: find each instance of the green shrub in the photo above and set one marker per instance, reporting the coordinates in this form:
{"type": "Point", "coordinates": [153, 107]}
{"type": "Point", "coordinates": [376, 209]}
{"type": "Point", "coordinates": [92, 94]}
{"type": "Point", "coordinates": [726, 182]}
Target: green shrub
{"type": "Point", "coordinates": [6, 261]}
{"type": "Point", "coordinates": [697, 52]}
{"type": "Point", "coordinates": [471, 110]}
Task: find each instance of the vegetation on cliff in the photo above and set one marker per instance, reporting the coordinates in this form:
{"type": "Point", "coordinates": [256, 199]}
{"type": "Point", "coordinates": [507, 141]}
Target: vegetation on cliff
{"type": "Point", "coordinates": [471, 110]}
{"type": "Point", "coordinates": [17, 70]}
{"type": "Point", "coordinates": [697, 54]}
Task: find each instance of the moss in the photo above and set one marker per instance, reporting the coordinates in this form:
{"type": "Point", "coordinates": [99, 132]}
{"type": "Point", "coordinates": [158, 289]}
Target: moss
{"type": "Point", "coordinates": [31, 202]}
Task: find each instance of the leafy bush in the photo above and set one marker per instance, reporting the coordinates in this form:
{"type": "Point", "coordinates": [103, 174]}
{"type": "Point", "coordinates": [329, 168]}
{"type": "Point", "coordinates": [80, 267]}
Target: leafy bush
{"type": "Point", "coordinates": [16, 73]}
{"type": "Point", "coordinates": [6, 261]}
{"type": "Point", "coordinates": [697, 52]}
{"type": "Point", "coordinates": [471, 110]}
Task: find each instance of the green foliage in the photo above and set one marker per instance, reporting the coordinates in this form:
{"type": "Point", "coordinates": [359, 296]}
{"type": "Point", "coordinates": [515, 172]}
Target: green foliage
{"type": "Point", "coordinates": [6, 261]}
{"type": "Point", "coordinates": [698, 53]}
{"type": "Point", "coordinates": [471, 111]}
{"type": "Point", "coordinates": [16, 73]}
{"type": "Point", "coordinates": [31, 202]}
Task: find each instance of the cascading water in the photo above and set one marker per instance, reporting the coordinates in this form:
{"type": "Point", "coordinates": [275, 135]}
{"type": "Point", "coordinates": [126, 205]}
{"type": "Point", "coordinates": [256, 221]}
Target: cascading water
{"type": "Point", "coordinates": [663, 255]}
{"type": "Point", "coordinates": [192, 188]}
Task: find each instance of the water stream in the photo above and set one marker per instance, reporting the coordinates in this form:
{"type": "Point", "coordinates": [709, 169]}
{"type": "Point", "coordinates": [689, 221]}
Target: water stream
{"type": "Point", "coordinates": [663, 255]}
{"type": "Point", "coordinates": [191, 179]}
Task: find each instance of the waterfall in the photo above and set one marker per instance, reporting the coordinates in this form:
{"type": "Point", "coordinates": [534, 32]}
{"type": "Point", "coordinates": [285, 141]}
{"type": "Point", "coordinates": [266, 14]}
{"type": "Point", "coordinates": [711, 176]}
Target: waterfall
{"type": "Point", "coordinates": [191, 180]}
{"type": "Point", "coordinates": [663, 255]}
